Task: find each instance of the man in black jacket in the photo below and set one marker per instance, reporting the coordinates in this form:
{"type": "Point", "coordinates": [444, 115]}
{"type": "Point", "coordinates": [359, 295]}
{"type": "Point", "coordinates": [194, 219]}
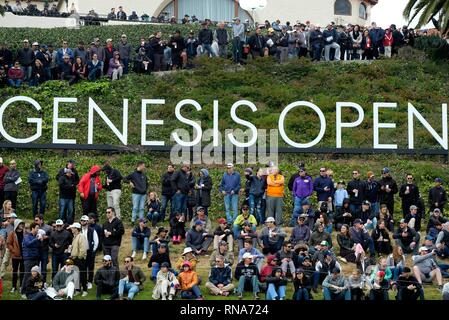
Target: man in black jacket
{"type": "Point", "coordinates": [220, 279]}
{"type": "Point", "coordinates": [247, 275]}
{"type": "Point", "coordinates": [407, 238]}
{"type": "Point", "coordinates": [409, 289]}
{"type": "Point", "coordinates": [409, 193]}
{"type": "Point", "coordinates": [356, 191]}
{"type": "Point", "coordinates": [205, 39]}
{"type": "Point", "coordinates": [437, 196]}
{"type": "Point", "coordinates": [60, 239]}
{"type": "Point", "coordinates": [107, 279]}
{"type": "Point", "coordinates": [38, 180]}
{"type": "Point", "coordinates": [222, 38]}
{"type": "Point", "coordinates": [113, 232]}
{"type": "Point", "coordinates": [71, 193]}
{"type": "Point", "coordinates": [113, 186]}
{"type": "Point", "coordinates": [282, 45]}
{"type": "Point", "coordinates": [67, 186]}
{"type": "Point", "coordinates": [316, 43]}
{"type": "Point", "coordinates": [157, 46]}
{"type": "Point", "coordinates": [182, 181]}
{"type": "Point", "coordinates": [167, 191]}
{"type": "Point", "coordinates": [25, 55]}
{"type": "Point", "coordinates": [139, 184]}
{"type": "Point", "coordinates": [257, 44]}
{"type": "Point", "coordinates": [388, 188]}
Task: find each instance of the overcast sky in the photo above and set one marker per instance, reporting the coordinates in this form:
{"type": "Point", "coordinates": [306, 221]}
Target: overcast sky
{"type": "Point", "coordinates": [387, 12]}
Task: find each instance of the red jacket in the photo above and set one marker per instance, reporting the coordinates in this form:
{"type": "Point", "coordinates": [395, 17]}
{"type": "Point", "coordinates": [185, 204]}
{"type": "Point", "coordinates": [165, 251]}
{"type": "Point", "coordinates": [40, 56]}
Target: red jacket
{"type": "Point", "coordinates": [388, 40]}
{"type": "Point", "coordinates": [15, 74]}
{"type": "Point", "coordinates": [3, 170]}
{"type": "Point", "coordinates": [84, 184]}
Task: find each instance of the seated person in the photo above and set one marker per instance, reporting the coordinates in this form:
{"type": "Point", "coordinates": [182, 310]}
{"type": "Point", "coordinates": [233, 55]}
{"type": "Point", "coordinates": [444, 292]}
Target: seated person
{"type": "Point", "coordinates": [368, 217]}
{"type": "Point", "coordinates": [247, 275]}
{"type": "Point", "coordinates": [286, 257]}
{"type": "Point", "coordinates": [267, 270]}
{"type": "Point", "coordinates": [343, 216]}
{"type": "Point", "coordinates": [177, 228]}
{"type": "Point", "coordinates": [336, 287]}
{"type": "Point", "coordinates": [276, 285]}
{"type": "Point", "coordinates": [357, 285]}
{"type": "Point", "coordinates": [242, 218]}
{"type": "Point", "coordinates": [302, 286]}
{"type": "Point", "coordinates": [201, 216]}
{"type": "Point", "coordinates": [307, 212]}
{"type": "Point", "coordinates": [413, 218]}
{"type": "Point", "coordinates": [161, 237]}
{"type": "Point", "coordinates": [247, 233]}
{"type": "Point", "coordinates": [322, 249]}
{"type": "Point", "coordinates": [301, 232]}
{"type": "Point", "coordinates": [153, 207]}
{"type": "Point", "coordinates": [396, 262]}
{"type": "Point", "coordinates": [141, 239]}
{"type": "Point", "coordinates": [188, 281]}
{"type": "Point", "coordinates": [360, 236]}
{"type": "Point", "coordinates": [220, 278]}
{"type": "Point", "coordinates": [347, 246]}
{"type": "Point", "coordinates": [63, 283]}
{"type": "Point", "coordinates": [222, 251]}
{"type": "Point", "coordinates": [131, 279]}
{"type": "Point", "coordinates": [272, 237]}
{"type": "Point", "coordinates": [323, 216]}
{"type": "Point", "coordinates": [142, 63]}
{"type": "Point", "coordinates": [258, 257]}
{"type": "Point", "coordinates": [323, 269]}
{"type": "Point", "coordinates": [318, 236]}
{"type": "Point", "coordinates": [187, 255]}
{"type": "Point", "coordinates": [384, 214]}
{"type": "Point", "coordinates": [94, 68]}
{"type": "Point", "coordinates": [409, 289]}
{"type": "Point", "coordinates": [157, 259]}
{"type": "Point", "coordinates": [425, 268]}
{"type": "Point", "coordinates": [446, 292]}
{"type": "Point", "coordinates": [381, 266]}
{"type": "Point", "coordinates": [34, 288]}
{"type": "Point", "coordinates": [442, 242]}
{"type": "Point", "coordinates": [223, 233]}
{"type": "Point", "coordinates": [406, 238]}
{"type": "Point", "coordinates": [166, 283]}
{"type": "Point", "coordinates": [198, 239]}
{"type": "Point", "coordinates": [107, 279]}
{"type": "Point", "coordinates": [379, 287]}
{"type": "Point", "coordinates": [381, 239]}
{"type": "Point", "coordinates": [434, 219]}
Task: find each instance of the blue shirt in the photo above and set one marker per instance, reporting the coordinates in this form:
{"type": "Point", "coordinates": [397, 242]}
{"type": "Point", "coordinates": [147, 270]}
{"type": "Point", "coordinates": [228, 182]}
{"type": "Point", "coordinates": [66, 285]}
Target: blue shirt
{"type": "Point", "coordinates": [340, 195]}
{"type": "Point", "coordinates": [230, 182]}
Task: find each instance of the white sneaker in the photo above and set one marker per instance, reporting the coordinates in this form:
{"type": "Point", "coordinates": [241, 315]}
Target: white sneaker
{"type": "Point", "coordinates": [144, 257]}
{"type": "Point", "coordinates": [23, 296]}
{"type": "Point", "coordinates": [85, 293]}
{"type": "Point", "coordinates": [133, 255]}
{"type": "Point", "coordinates": [170, 297]}
{"type": "Point", "coordinates": [89, 285]}
{"type": "Point", "coordinates": [12, 290]}
{"type": "Point", "coordinates": [164, 298]}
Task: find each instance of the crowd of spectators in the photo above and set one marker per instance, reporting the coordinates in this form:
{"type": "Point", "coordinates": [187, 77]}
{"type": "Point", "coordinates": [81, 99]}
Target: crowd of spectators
{"type": "Point", "coordinates": [29, 9]}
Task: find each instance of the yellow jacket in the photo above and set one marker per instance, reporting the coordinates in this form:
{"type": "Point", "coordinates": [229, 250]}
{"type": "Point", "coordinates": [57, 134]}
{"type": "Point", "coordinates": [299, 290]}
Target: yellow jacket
{"type": "Point", "coordinates": [275, 185]}
{"type": "Point", "coordinates": [187, 279]}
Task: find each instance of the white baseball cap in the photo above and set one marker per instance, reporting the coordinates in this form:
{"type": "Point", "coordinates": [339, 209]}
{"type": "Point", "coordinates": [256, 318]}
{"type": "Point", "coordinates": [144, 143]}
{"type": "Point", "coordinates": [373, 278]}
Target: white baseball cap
{"type": "Point", "coordinates": [187, 250]}
{"type": "Point", "coordinates": [75, 225]}
{"type": "Point", "coordinates": [270, 219]}
{"type": "Point", "coordinates": [84, 218]}
{"type": "Point", "coordinates": [230, 165]}
{"type": "Point", "coordinates": [423, 248]}
{"type": "Point", "coordinates": [247, 255]}
{"type": "Point", "coordinates": [107, 258]}
{"type": "Point", "coordinates": [59, 222]}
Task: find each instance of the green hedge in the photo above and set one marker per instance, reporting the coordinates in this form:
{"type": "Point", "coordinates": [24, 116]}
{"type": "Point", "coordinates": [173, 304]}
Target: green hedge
{"type": "Point", "coordinates": [436, 47]}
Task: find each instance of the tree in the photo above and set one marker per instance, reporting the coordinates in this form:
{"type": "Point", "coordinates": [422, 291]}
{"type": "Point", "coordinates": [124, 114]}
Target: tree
{"type": "Point", "coordinates": [429, 10]}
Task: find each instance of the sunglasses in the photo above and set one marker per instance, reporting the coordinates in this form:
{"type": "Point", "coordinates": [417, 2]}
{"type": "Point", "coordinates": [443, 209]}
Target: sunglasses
{"type": "Point", "coordinates": [322, 170]}
{"type": "Point", "coordinates": [108, 211]}
{"type": "Point", "coordinates": [409, 178]}
{"type": "Point", "coordinates": [127, 261]}
{"type": "Point", "coordinates": [354, 172]}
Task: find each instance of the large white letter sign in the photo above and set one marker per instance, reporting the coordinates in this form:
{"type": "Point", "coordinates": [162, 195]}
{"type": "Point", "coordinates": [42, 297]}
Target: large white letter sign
{"type": "Point", "coordinates": [443, 140]}
{"type": "Point", "coordinates": [243, 123]}
{"type": "Point", "coordinates": [377, 125]}
{"type": "Point", "coordinates": [146, 122]}
{"type": "Point", "coordinates": [340, 124]}
{"type": "Point", "coordinates": [196, 126]}
{"type": "Point", "coordinates": [94, 107]}
{"type": "Point", "coordinates": [57, 120]}
{"type": "Point", "coordinates": [322, 124]}
{"type": "Point", "coordinates": [37, 121]}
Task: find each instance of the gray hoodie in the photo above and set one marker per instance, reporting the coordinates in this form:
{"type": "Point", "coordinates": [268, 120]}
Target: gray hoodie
{"type": "Point", "coordinates": [425, 263]}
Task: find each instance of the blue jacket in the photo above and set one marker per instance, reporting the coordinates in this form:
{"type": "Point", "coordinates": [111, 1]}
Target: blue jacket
{"type": "Point", "coordinates": [38, 180]}
{"type": "Point", "coordinates": [377, 36]}
{"type": "Point", "coordinates": [141, 234]}
{"type": "Point", "coordinates": [220, 275]}
{"type": "Point", "coordinates": [332, 33]}
{"type": "Point", "coordinates": [257, 186]}
{"type": "Point", "coordinates": [60, 56]}
{"type": "Point", "coordinates": [319, 184]}
{"type": "Point", "coordinates": [30, 247]}
{"type": "Point", "coordinates": [230, 182]}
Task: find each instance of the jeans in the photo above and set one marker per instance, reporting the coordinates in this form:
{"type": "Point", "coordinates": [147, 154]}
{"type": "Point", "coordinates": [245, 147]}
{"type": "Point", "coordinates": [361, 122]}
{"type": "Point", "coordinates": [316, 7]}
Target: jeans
{"type": "Point", "coordinates": [273, 294]}
{"type": "Point", "coordinates": [223, 51]}
{"type": "Point", "coordinates": [316, 49]}
{"type": "Point", "coordinates": [113, 200]}
{"type": "Point", "coordinates": [138, 205]}
{"type": "Point", "coordinates": [43, 260]}
{"type": "Point", "coordinates": [208, 48]}
{"type": "Point", "coordinates": [125, 62]}
{"type": "Point", "coordinates": [444, 253]}
{"type": "Point", "coordinates": [343, 295]}
{"type": "Point", "coordinates": [375, 207]}
{"type": "Point", "coordinates": [164, 202]}
{"type": "Point", "coordinates": [179, 203]}
{"type": "Point", "coordinates": [57, 261]}
{"type": "Point", "coordinates": [297, 210]}
{"type": "Point", "coordinates": [39, 196]}
{"type": "Point", "coordinates": [66, 210]}
{"type": "Point", "coordinates": [237, 49]}
{"type": "Point", "coordinates": [154, 270]}
{"type": "Point", "coordinates": [396, 271]}
{"type": "Point", "coordinates": [271, 247]}
{"type": "Point", "coordinates": [255, 204]}
{"type": "Point", "coordinates": [194, 292]}
{"type": "Point", "coordinates": [126, 286]}
{"type": "Point", "coordinates": [27, 70]}
{"type": "Point", "coordinates": [89, 205]}
{"type": "Point", "coordinates": [138, 245]}
{"type": "Point", "coordinates": [327, 49]}
{"type": "Point", "coordinates": [154, 217]}
{"type": "Point", "coordinates": [231, 200]}
{"type": "Point", "coordinates": [15, 83]}
{"type": "Point", "coordinates": [248, 282]}
{"type": "Point", "coordinates": [301, 294]}
{"type": "Point", "coordinates": [95, 74]}
{"type": "Point", "coordinates": [41, 295]}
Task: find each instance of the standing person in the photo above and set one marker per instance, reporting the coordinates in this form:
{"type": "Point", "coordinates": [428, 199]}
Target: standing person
{"type": "Point", "coordinates": [3, 170]}
{"type": "Point", "coordinates": [167, 192]}
{"type": "Point", "coordinates": [45, 231]}
{"type": "Point", "coordinates": [178, 52]}
{"type": "Point", "coordinates": [81, 52]}
{"type": "Point", "coordinates": [113, 187]}
{"type": "Point", "coordinates": [158, 46]}
{"type": "Point", "coordinates": [324, 188]}
{"type": "Point", "coordinates": [71, 192]}
{"type": "Point", "coordinates": [238, 39]}
{"type": "Point", "coordinates": [139, 184]}
{"type": "Point", "coordinates": [437, 196]}
{"type": "Point", "coordinates": [230, 187]}
{"type": "Point", "coordinates": [302, 190]}
{"type": "Point", "coordinates": [388, 41]}
{"type": "Point", "coordinates": [257, 44]}
{"type": "Point", "coordinates": [203, 188]}
{"type": "Point", "coordinates": [30, 252]}
{"type": "Point", "coordinates": [60, 240]}
{"type": "Point", "coordinates": [409, 193]}
{"type": "Point", "coordinates": [92, 247]}
{"type": "Point", "coordinates": [62, 52]}
{"type": "Point", "coordinates": [38, 180]}
{"type": "Point", "coordinates": [98, 49]}
{"type": "Point", "coordinates": [316, 42]}
{"type": "Point", "coordinates": [67, 187]}
{"type": "Point", "coordinates": [275, 195]}
{"type": "Point", "coordinates": [14, 243]}
{"type": "Point", "coordinates": [78, 253]}
{"type": "Point", "coordinates": [89, 188]}
{"type": "Point", "coordinates": [113, 232]}
{"type": "Point", "coordinates": [125, 50]}
{"type": "Point", "coordinates": [367, 46]}
{"type": "Point", "coordinates": [205, 39]}
{"type": "Point", "coordinates": [25, 56]}
{"type": "Point", "coordinates": [371, 192]}
{"type": "Point", "coordinates": [388, 188]}
{"type": "Point", "coordinates": [221, 35]}
{"type": "Point", "coordinates": [109, 53]}
{"type": "Point", "coordinates": [12, 181]}
{"type": "Point", "coordinates": [182, 181]}
{"type": "Point", "coordinates": [257, 186]}
{"type": "Point", "coordinates": [131, 279]}
{"type": "Point", "coordinates": [356, 190]}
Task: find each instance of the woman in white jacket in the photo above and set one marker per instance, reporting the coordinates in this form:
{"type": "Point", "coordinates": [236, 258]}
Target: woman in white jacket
{"type": "Point", "coordinates": [166, 283]}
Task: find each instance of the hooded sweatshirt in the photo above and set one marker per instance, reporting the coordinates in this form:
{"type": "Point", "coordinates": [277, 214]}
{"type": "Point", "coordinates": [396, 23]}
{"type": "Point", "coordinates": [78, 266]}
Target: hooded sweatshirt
{"type": "Point", "coordinates": [37, 178]}
{"type": "Point", "coordinates": [84, 185]}
{"type": "Point", "coordinates": [14, 241]}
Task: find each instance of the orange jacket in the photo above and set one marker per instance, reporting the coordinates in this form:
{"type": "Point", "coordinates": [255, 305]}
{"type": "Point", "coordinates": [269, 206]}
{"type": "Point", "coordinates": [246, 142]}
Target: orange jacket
{"type": "Point", "coordinates": [275, 186]}
{"type": "Point", "coordinates": [84, 184]}
{"type": "Point", "coordinates": [187, 279]}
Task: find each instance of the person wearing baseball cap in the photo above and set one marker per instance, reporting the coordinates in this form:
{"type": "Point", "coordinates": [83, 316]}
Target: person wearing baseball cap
{"type": "Point", "coordinates": [158, 257]}
{"type": "Point", "coordinates": [388, 188]}
{"type": "Point", "coordinates": [302, 189]}
{"type": "Point", "coordinates": [413, 218]}
{"type": "Point", "coordinates": [198, 239]}
{"type": "Point", "coordinates": [223, 250]}
{"type": "Point", "coordinates": [323, 268]}
{"type": "Point", "coordinates": [426, 268]}
{"type": "Point", "coordinates": [245, 216]}
{"type": "Point", "coordinates": [202, 216]}
{"type": "Point", "coordinates": [140, 239]}
{"type": "Point", "coordinates": [63, 283]}
{"type": "Point", "coordinates": [78, 253]}
{"type": "Point", "coordinates": [230, 187]}
{"type": "Point", "coordinates": [107, 279]}
{"type": "Point", "coordinates": [247, 275]}
{"type": "Point", "coordinates": [93, 242]}
{"type": "Point", "coordinates": [272, 237]}
{"type": "Point", "coordinates": [409, 289]}
{"type": "Point", "coordinates": [359, 235]}
{"type": "Point", "coordinates": [407, 238]}
{"type": "Point", "coordinates": [437, 196]}
{"type": "Point", "coordinates": [223, 232]}
{"type": "Point", "coordinates": [67, 191]}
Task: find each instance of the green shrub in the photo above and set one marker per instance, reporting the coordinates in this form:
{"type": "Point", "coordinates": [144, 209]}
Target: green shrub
{"type": "Point", "coordinates": [436, 47]}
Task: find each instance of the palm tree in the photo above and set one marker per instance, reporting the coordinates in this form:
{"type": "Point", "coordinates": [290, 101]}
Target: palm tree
{"type": "Point", "coordinates": [430, 10]}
